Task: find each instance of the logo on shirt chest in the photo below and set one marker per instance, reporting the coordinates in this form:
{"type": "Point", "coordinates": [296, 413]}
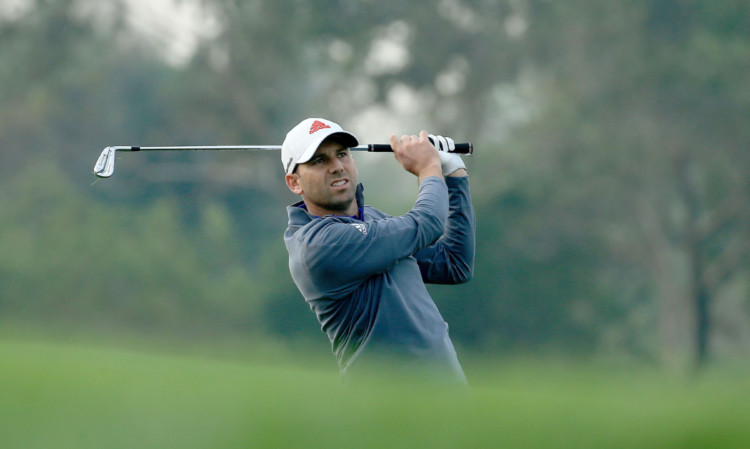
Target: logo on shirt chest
{"type": "Point", "coordinates": [360, 227]}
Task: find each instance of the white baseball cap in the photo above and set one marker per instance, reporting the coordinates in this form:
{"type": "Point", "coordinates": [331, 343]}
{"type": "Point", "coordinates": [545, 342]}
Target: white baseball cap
{"type": "Point", "coordinates": [303, 141]}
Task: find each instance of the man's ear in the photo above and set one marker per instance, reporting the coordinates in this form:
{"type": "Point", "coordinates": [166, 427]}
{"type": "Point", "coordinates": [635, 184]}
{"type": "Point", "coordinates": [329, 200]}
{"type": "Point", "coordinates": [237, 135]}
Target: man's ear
{"type": "Point", "coordinates": [292, 181]}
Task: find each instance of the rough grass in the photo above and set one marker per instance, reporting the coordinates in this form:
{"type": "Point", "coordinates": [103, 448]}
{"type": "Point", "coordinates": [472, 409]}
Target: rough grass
{"type": "Point", "coordinates": [73, 396]}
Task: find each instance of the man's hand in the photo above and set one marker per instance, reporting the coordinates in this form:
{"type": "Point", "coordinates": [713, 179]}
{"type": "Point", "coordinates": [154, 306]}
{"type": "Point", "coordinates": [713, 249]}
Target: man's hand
{"type": "Point", "coordinates": [451, 163]}
{"type": "Point", "coordinates": [417, 155]}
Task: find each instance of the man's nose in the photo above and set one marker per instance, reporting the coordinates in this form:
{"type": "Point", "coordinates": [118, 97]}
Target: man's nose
{"type": "Point", "coordinates": [336, 165]}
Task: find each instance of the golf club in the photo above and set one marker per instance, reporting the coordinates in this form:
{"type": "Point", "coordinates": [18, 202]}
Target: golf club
{"type": "Point", "coordinates": [105, 165]}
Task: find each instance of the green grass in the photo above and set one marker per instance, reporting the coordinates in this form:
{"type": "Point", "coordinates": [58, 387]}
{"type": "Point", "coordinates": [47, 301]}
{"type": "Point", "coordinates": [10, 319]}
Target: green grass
{"type": "Point", "coordinates": [75, 396]}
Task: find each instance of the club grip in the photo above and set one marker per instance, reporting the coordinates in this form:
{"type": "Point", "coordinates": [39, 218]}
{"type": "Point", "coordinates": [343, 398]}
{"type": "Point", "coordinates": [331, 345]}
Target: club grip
{"type": "Point", "coordinates": [461, 148]}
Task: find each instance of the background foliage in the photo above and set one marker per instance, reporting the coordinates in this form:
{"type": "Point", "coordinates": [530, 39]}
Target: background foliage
{"type": "Point", "coordinates": [611, 182]}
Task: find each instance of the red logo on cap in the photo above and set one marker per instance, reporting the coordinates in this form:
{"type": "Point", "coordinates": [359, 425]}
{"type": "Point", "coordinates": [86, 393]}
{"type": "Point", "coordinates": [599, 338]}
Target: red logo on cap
{"type": "Point", "coordinates": [317, 126]}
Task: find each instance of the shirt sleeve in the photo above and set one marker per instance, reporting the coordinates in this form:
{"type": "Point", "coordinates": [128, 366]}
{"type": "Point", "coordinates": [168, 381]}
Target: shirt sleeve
{"type": "Point", "coordinates": [451, 259]}
{"type": "Point", "coordinates": [339, 253]}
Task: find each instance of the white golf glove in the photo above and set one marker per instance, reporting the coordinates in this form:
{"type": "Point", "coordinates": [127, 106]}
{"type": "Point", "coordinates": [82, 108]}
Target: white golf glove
{"type": "Point", "coordinates": [450, 162]}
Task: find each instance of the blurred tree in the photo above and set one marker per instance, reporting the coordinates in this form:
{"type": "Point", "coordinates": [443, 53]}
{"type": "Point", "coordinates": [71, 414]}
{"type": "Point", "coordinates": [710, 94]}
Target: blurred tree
{"type": "Point", "coordinates": [644, 109]}
{"type": "Point", "coordinates": [66, 260]}
{"type": "Point", "coordinates": [70, 84]}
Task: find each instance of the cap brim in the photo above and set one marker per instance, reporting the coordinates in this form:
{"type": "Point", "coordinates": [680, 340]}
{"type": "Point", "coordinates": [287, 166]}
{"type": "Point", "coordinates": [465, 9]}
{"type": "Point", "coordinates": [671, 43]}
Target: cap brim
{"type": "Point", "coordinates": [342, 137]}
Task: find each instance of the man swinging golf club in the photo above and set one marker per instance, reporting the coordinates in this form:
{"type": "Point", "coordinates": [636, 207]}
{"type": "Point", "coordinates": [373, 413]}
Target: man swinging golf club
{"type": "Point", "coordinates": [363, 272]}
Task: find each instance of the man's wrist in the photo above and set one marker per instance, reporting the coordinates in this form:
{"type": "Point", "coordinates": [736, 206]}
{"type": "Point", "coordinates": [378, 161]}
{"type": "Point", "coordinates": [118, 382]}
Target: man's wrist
{"type": "Point", "coordinates": [430, 171]}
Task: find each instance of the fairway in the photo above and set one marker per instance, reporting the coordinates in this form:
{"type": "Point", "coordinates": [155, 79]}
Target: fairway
{"type": "Point", "coordinates": [66, 396]}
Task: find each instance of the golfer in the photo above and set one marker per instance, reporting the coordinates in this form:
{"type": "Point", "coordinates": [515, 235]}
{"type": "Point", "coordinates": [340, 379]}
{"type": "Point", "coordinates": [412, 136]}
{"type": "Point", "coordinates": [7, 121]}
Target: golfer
{"type": "Point", "coordinates": [363, 272]}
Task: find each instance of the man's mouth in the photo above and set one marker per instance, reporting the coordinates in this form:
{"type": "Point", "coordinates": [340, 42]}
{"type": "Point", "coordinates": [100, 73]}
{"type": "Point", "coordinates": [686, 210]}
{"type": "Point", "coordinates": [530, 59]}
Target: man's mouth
{"type": "Point", "coordinates": [340, 182]}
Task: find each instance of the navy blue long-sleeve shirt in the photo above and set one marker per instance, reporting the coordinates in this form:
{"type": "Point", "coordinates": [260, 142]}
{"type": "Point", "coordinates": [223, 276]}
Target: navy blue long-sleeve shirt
{"type": "Point", "coordinates": [365, 279]}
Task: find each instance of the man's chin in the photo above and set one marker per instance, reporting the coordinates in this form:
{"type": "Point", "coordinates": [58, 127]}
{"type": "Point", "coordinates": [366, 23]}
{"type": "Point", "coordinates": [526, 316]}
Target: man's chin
{"type": "Point", "coordinates": [343, 206]}
{"type": "Point", "coordinates": [341, 209]}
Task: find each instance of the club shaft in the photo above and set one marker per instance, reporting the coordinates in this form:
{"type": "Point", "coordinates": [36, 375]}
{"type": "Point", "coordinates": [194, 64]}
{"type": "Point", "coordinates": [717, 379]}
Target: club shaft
{"type": "Point", "coordinates": [105, 165]}
{"type": "Point", "coordinates": [199, 148]}
{"type": "Point", "coordinates": [461, 148]}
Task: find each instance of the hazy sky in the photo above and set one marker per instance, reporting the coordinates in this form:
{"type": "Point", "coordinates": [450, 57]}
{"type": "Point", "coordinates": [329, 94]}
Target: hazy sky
{"type": "Point", "coordinates": [175, 27]}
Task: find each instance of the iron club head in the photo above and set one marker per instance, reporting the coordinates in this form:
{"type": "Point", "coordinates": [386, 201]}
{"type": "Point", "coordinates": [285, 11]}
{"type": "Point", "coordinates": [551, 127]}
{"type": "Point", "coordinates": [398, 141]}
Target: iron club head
{"type": "Point", "coordinates": [105, 165]}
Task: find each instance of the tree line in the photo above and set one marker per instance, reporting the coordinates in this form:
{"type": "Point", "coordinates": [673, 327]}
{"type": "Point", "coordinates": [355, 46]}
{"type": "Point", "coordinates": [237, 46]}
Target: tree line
{"type": "Point", "coordinates": [610, 182]}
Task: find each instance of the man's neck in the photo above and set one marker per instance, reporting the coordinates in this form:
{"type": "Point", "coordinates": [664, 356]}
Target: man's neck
{"type": "Point", "coordinates": [352, 211]}
{"type": "Point", "coordinates": [322, 212]}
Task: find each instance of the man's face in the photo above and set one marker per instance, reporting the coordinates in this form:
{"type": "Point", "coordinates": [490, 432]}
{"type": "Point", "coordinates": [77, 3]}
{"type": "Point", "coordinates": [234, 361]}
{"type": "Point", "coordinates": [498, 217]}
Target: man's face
{"type": "Point", "coordinates": [328, 181]}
